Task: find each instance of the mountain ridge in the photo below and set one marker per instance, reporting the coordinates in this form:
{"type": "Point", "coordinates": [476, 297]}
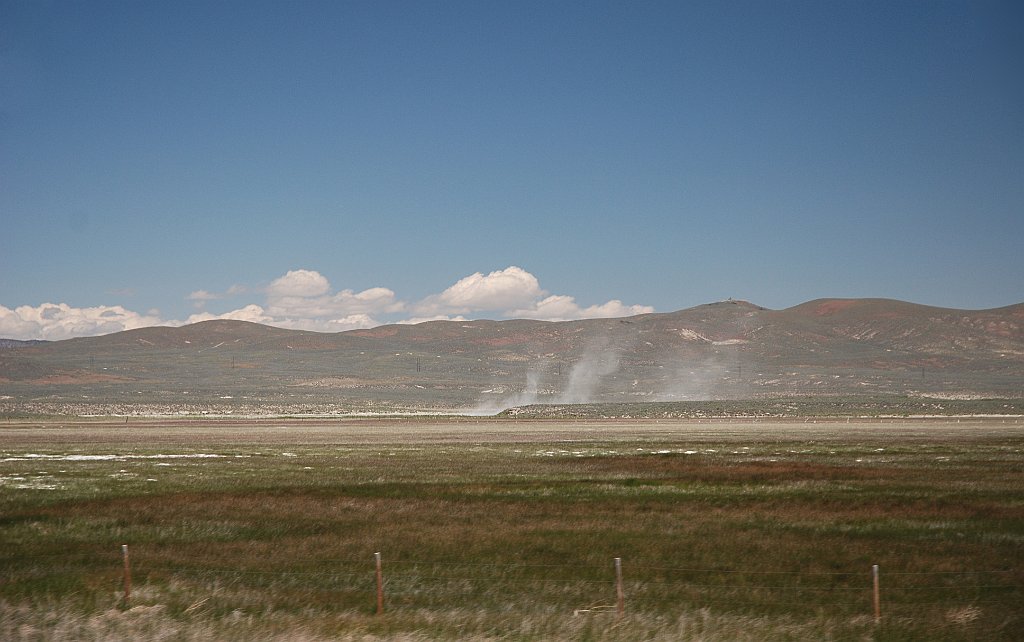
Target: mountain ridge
{"type": "Point", "coordinates": [725, 349]}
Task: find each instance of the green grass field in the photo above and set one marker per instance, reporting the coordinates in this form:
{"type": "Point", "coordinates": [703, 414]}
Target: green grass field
{"type": "Point", "coordinates": [505, 530]}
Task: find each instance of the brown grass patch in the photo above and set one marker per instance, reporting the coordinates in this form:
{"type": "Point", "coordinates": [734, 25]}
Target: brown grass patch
{"type": "Point", "coordinates": [697, 468]}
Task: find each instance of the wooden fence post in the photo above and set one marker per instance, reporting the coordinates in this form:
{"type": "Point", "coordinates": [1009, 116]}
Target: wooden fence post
{"type": "Point", "coordinates": [127, 574]}
{"type": "Point", "coordinates": [380, 585]}
{"type": "Point", "coordinates": [620, 604]}
{"type": "Point", "coordinates": [878, 603]}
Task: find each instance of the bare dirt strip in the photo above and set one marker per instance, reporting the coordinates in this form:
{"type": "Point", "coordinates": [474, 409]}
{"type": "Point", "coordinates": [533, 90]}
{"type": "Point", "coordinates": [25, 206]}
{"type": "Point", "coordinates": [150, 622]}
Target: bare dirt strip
{"type": "Point", "coordinates": [177, 431]}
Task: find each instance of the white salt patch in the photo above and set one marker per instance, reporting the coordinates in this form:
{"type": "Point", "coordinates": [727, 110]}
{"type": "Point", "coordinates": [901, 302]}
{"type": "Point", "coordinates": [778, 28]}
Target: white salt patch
{"type": "Point", "coordinates": [31, 456]}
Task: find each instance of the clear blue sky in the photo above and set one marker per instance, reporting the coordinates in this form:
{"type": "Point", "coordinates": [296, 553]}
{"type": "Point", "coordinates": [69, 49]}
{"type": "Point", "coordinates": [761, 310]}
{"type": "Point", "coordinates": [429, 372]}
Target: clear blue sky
{"type": "Point", "coordinates": [182, 158]}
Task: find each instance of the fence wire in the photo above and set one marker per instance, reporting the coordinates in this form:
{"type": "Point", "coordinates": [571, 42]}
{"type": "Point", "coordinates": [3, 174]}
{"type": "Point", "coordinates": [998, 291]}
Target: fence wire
{"type": "Point", "coordinates": [412, 583]}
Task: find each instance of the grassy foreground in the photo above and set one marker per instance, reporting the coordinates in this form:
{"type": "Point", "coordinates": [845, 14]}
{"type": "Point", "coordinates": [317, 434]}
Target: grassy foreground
{"type": "Point", "coordinates": [508, 530]}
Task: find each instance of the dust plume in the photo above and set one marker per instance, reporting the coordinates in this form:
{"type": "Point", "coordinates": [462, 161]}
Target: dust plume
{"type": "Point", "coordinates": [587, 375]}
{"type": "Point", "coordinates": [528, 396]}
{"type": "Point", "coordinates": [696, 380]}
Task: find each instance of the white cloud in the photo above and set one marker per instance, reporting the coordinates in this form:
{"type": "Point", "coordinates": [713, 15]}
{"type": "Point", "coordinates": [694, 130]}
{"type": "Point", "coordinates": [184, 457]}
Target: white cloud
{"type": "Point", "coordinates": [552, 308]}
{"type": "Point", "coordinates": [199, 298]}
{"type": "Point", "coordinates": [439, 317]}
{"type": "Point", "coordinates": [55, 321]}
{"type": "Point", "coordinates": [257, 314]}
{"type": "Point", "coordinates": [344, 303]}
{"type": "Point", "coordinates": [299, 283]}
{"type": "Point", "coordinates": [515, 293]}
{"type": "Point", "coordinates": [250, 312]}
{"type": "Point", "coordinates": [350, 322]}
{"type": "Point", "coordinates": [303, 300]}
{"type": "Point", "coordinates": [613, 309]}
{"type": "Point", "coordinates": [499, 290]}
{"type": "Point", "coordinates": [565, 308]}
{"type": "Point", "coordinates": [305, 294]}
{"type": "Point", "coordinates": [202, 295]}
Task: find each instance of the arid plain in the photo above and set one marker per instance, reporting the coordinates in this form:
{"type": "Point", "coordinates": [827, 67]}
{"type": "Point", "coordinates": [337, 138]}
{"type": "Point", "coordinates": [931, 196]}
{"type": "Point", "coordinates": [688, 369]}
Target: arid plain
{"type": "Point", "coordinates": [504, 529]}
{"type": "Point", "coordinates": [725, 472]}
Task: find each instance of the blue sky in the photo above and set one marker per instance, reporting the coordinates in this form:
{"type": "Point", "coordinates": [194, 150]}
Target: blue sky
{"type": "Point", "coordinates": [328, 165]}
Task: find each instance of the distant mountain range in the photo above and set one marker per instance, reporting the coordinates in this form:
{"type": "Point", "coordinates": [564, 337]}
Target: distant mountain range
{"type": "Point", "coordinates": [726, 350]}
{"type": "Point", "coordinates": [16, 343]}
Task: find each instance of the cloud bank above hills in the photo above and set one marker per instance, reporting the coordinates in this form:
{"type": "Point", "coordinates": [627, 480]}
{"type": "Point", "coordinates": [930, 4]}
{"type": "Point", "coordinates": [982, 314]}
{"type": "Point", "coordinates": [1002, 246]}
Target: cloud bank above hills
{"type": "Point", "coordinates": [305, 299]}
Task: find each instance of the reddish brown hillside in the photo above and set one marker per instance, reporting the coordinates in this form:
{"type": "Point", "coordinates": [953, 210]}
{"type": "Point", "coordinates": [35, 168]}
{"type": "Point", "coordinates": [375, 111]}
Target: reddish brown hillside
{"type": "Point", "coordinates": [898, 325]}
{"type": "Point", "coordinates": [729, 349]}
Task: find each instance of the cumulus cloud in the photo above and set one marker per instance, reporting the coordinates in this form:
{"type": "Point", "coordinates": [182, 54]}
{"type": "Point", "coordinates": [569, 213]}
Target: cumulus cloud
{"type": "Point", "coordinates": [614, 308]}
{"type": "Point", "coordinates": [299, 283]}
{"type": "Point", "coordinates": [438, 317]}
{"type": "Point", "coordinates": [350, 322]}
{"type": "Point", "coordinates": [257, 314]}
{"type": "Point", "coordinates": [55, 321]}
{"type": "Point", "coordinates": [200, 298]}
{"type": "Point", "coordinates": [250, 312]}
{"type": "Point", "coordinates": [499, 290]}
{"type": "Point", "coordinates": [515, 293]}
{"type": "Point", "coordinates": [202, 295]}
{"type": "Point", "coordinates": [304, 300]}
{"type": "Point", "coordinates": [565, 308]}
{"type": "Point", "coordinates": [344, 303]}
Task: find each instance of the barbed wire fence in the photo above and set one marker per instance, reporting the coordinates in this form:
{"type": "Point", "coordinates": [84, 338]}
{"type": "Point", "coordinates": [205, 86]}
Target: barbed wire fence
{"type": "Point", "coordinates": [376, 584]}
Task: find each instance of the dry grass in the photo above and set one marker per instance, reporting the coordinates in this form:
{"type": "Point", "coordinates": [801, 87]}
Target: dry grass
{"type": "Point", "coordinates": [502, 531]}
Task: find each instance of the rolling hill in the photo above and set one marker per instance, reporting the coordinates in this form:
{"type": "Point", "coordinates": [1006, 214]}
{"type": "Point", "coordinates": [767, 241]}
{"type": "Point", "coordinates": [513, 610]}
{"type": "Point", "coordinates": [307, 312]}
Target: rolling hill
{"type": "Point", "coordinates": [725, 350]}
